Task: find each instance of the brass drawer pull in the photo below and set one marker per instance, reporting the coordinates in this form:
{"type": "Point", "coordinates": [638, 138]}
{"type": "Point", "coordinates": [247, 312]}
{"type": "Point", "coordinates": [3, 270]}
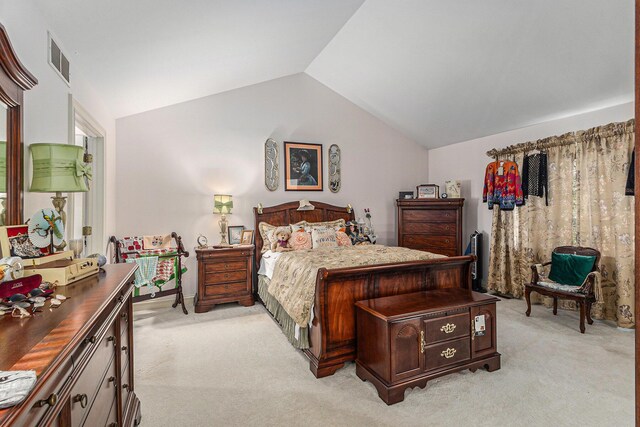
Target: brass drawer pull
{"type": "Point", "coordinates": [124, 348]}
{"type": "Point", "coordinates": [448, 353]}
{"type": "Point", "coordinates": [51, 401]}
{"type": "Point", "coordinates": [125, 386]}
{"type": "Point", "coordinates": [112, 339]}
{"type": "Point", "coordinates": [91, 340]}
{"type": "Point", "coordinates": [423, 344]}
{"type": "Point", "coordinates": [82, 398]}
{"type": "Point", "coordinates": [448, 328]}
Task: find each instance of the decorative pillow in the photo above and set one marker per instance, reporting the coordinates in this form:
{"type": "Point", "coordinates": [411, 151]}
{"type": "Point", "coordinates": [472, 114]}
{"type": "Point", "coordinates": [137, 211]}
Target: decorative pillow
{"type": "Point", "coordinates": [568, 269]}
{"type": "Point", "coordinates": [343, 239]}
{"type": "Point", "coordinates": [302, 225]}
{"type": "Point", "coordinates": [324, 238]}
{"type": "Point", "coordinates": [336, 224]}
{"type": "Point", "coordinates": [267, 232]}
{"type": "Point", "coordinates": [300, 240]}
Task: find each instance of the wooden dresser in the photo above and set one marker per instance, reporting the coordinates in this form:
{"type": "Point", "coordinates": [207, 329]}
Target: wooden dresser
{"type": "Point", "coordinates": [224, 275]}
{"type": "Point", "coordinates": [406, 340]}
{"type": "Point", "coordinates": [432, 225]}
{"type": "Point", "coordinates": [82, 353]}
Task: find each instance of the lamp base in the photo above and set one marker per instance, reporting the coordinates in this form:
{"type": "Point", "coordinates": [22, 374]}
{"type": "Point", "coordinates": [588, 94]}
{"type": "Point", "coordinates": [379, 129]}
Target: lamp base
{"type": "Point", "coordinates": [223, 231]}
{"type": "Point", "coordinates": [59, 201]}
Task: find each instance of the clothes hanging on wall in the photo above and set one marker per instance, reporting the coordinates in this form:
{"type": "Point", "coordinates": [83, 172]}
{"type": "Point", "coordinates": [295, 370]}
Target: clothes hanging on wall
{"type": "Point", "coordinates": [535, 177]}
{"type": "Point", "coordinates": [630, 187]}
{"type": "Point", "coordinates": [502, 185]}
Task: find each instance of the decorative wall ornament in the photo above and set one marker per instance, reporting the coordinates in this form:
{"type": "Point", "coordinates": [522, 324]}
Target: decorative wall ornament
{"type": "Point", "coordinates": [271, 168]}
{"type": "Point", "coordinates": [335, 182]}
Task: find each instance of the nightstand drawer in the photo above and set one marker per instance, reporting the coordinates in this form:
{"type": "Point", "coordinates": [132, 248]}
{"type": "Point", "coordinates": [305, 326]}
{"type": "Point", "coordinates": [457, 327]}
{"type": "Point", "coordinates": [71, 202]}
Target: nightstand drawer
{"type": "Point", "coordinates": [446, 328]}
{"type": "Point", "coordinates": [225, 277]}
{"type": "Point", "coordinates": [225, 289]}
{"type": "Point", "coordinates": [226, 265]}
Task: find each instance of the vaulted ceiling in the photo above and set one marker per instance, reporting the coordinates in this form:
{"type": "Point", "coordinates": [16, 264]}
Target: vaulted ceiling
{"type": "Point", "coordinates": [439, 71]}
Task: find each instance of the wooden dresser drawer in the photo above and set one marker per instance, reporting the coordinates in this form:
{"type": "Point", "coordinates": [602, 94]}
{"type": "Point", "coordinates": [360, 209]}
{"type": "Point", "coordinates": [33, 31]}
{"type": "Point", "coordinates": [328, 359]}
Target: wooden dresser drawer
{"type": "Point", "coordinates": [431, 228]}
{"type": "Point", "coordinates": [99, 412]}
{"type": "Point", "coordinates": [446, 328]}
{"type": "Point", "coordinates": [447, 353]}
{"type": "Point", "coordinates": [85, 388]}
{"type": "Point", "coordinates": [226, 265]}
{"type": "Point", "coordinates": [428, 215]}
{"type": "Point", "coordinates": [225, 289]}
{"type": "Point", "coordinates": [419, 241]}
{"type": "Point", "coordinates": [112, 421]}
{"type": "Point", "coordinates": [225, 277]}
{"type": "Point", "coordinates": [49, 399]}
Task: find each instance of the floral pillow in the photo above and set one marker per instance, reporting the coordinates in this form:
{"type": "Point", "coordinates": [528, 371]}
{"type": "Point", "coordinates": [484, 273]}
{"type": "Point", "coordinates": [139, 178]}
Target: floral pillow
{"type": "Point", "coordinates": [324, 238]}
{"type": "Point", "coordinates": [343, 239]}
{"type": "Point", "coordinates": [300, 240]}
{"type": "Point", "coordinates": [336, 224]}
{"type": "Point", "coordinates": [302, 225]}
{"type": "Point", "coordinates": [267, 232]}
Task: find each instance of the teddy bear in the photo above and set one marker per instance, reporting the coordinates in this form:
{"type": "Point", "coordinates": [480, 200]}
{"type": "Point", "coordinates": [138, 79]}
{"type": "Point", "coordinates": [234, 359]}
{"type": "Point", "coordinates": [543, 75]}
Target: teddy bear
{"type": "Point", "coordinates": [282, 234]}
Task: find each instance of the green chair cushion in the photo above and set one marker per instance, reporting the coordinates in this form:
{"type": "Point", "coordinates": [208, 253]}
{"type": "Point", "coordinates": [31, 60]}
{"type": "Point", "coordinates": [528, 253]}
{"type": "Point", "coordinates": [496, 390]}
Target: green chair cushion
{"type": "Point", "coordinates": [568, 269]}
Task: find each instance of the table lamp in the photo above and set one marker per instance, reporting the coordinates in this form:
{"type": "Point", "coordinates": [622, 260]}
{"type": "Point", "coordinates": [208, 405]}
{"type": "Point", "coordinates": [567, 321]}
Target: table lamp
{"type": "Point", "coordinates": [59, 168]}
{"type": "Point", "coordinates": [222, 205]}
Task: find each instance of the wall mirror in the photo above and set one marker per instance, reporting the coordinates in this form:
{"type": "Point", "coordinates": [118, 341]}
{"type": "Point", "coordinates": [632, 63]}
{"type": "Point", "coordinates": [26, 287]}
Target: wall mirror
{"type": "Point", "coordinates": [14, 80]}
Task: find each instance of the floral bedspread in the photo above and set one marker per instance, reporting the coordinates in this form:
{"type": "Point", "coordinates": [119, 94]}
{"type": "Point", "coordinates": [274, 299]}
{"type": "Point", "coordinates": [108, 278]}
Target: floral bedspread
{"type": "Point", "coordinates": [294, 278]}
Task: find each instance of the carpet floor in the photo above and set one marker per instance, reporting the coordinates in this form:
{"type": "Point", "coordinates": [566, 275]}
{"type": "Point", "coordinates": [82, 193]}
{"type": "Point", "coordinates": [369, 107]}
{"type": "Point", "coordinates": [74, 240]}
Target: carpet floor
{"type": "Point", "coordinates": [232, 366]}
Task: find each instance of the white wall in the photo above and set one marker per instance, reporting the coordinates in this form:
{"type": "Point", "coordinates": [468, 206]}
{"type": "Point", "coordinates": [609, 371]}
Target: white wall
{"type": "Point", "coordinates": [46, 113]}
{"type": "Point", "coordinates": [172, 160]}
{"type": "Point", "coordinates": [467, 161]}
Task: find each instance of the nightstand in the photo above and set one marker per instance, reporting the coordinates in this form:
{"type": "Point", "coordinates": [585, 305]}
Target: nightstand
{"type": "Point", "coordinates": [224, 275]}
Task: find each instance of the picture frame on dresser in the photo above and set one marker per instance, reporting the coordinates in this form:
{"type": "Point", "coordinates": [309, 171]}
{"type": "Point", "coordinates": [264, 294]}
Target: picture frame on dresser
{"type": "Point", "coordinates": [427, 191]}
{"type": "Point", "coordinates": [246, 237]}
{"type": "Point", "coordinates": [235, 234]}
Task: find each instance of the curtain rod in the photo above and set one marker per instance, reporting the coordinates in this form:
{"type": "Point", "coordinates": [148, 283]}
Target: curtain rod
{"type": "Point", "coordinates": [565, 139]}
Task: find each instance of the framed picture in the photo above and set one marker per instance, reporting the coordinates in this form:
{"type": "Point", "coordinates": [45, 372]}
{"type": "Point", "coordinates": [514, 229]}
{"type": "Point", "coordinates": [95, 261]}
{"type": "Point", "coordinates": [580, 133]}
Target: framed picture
{"type": "Point", "coordinates": [453, 188]}
{"type": "Point", "coordinates": [302, 166]}
{"type": "Point", "coordinates": [235, 234]}
{"type": "Point", "coordinates": [246, 237]}
{"type": "Point", "coordinates": [428, 191]}
{"type": "Point", "coordinates": [405, 195]}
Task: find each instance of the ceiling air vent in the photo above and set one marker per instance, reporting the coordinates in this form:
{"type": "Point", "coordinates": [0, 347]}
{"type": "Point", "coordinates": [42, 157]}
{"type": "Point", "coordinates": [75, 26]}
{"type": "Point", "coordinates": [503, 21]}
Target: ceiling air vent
{"type": "Point", "coordinates": [59, 61]}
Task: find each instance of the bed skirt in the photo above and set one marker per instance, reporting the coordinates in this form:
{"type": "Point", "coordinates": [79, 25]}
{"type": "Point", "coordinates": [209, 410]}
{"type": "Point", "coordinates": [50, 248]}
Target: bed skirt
{"type": "Point", "coordinates": [286, 322]}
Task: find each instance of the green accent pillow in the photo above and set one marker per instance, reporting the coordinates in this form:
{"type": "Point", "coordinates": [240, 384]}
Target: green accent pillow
{"type": "Point", "coordinates": [568, 269]}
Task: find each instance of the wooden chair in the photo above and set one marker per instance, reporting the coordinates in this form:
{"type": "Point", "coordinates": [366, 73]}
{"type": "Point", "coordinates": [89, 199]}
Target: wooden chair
{"type": "Point", "coordinates": [584, 295]}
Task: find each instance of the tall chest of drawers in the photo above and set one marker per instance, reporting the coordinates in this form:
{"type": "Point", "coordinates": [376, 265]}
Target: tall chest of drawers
{"type": "Point", "coordinates": [224, 275]}
{"type": "Point", "coordinates": [406, 340]}
{"type": "Point", "coordinates": [432, 225]}
{"type": "Point", "coordinates": [82, 353]}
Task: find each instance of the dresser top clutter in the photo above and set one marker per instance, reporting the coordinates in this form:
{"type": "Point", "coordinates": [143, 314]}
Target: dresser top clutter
{"type": "Point", "coordinates": [48, 340]}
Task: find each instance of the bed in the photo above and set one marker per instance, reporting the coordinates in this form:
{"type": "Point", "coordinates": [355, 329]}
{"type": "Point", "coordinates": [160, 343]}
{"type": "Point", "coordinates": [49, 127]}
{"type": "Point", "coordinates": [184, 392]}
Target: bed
{"type": "Point", "coordinates": [331, 339]}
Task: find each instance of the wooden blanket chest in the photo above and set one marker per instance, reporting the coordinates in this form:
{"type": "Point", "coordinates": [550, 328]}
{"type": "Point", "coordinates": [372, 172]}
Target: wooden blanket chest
{"type": "Point", "coordinates": [406, 340]}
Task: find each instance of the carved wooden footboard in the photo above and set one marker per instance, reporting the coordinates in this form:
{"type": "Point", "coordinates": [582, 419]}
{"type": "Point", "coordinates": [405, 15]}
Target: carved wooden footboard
{"type": "Point", "coordinates": [333, 332]}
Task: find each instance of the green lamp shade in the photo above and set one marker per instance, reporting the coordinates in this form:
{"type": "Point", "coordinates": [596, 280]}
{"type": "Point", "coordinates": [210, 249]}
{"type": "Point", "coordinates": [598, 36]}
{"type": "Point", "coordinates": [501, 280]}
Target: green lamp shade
{"type": "Point", "coordinates": [3, 166]}
{"type": "Point", "coordinates": [222, 203]}
{"type": "Point", "coordinates": [59, 168]}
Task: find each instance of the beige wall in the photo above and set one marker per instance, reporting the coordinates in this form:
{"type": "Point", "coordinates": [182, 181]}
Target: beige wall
{"type": "Point", "coordinates": [467, 161]}
{"type": "Point", "coordinates": [172, 160]}
{"type": "Point", "coordinates": [46, 114]}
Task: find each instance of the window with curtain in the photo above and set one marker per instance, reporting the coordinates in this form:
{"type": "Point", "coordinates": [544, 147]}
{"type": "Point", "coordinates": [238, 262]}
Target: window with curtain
{"type": "Point", "coordinates": [587, 173]}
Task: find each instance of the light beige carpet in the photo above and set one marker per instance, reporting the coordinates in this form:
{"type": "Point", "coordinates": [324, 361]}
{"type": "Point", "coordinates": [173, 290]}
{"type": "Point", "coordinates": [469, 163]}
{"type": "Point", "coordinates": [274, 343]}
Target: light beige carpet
{"type": "Point", "coordinates": [233, 367]}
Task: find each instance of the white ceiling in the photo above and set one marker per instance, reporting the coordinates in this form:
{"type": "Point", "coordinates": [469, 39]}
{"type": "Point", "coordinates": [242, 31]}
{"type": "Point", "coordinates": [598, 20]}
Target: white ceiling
{"type": "Point", "coordinates": [450, 71]}
{"type": "Point", "coordinates": [439, 71]}
{"type": "Point", "coordinates": [145, 54]}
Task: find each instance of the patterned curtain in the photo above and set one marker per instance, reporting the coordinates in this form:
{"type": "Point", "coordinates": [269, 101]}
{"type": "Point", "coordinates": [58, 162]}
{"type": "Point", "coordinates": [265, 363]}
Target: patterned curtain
{"type": "Point", "coordinates": [587, 207]}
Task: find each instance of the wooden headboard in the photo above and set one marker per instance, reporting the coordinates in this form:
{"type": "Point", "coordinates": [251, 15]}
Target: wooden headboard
{"type": "Point", "coordinates": [288, 213]}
